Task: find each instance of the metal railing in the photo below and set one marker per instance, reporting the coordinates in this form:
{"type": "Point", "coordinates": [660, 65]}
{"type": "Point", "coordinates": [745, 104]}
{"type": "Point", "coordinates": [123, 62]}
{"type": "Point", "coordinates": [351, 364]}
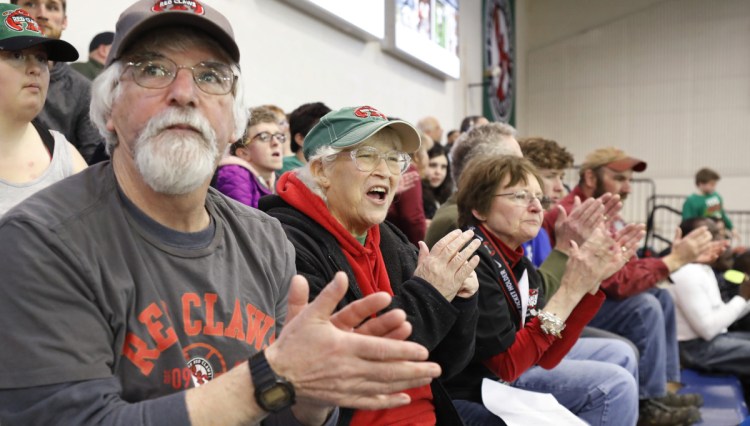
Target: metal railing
{"type": "Point", "coordinates": [666, 214]}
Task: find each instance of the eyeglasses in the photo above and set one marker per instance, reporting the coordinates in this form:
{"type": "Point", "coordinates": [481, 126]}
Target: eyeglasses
{"type": "Point", "coordinates": [214, 78]}
{"type": "Point", "coordinates": [367, 158]}
{"type": "Point", "coordinates": [266, 137]}
{"type": "Point", "coordinates": [525, 198]}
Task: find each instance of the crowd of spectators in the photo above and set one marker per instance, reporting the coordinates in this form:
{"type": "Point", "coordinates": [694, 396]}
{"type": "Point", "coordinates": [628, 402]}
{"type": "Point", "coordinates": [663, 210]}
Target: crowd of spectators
{"type": "Point", "coordinates": [219, 264]}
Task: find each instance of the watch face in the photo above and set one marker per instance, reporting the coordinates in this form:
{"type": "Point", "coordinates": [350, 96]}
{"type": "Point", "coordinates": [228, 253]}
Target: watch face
{"type": "Point", "coordinates": [278, 396]}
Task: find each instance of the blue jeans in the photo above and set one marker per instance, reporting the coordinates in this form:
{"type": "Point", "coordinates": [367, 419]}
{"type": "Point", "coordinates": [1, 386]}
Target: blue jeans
{"type": "Point", "coordinates": [476, 414]}
{"type": "Point", "coordinates": [725, 353]}
{"type": "Point", "coordinates": [648, 320]}
{"type": "Point", "coordinates": [597, 381]}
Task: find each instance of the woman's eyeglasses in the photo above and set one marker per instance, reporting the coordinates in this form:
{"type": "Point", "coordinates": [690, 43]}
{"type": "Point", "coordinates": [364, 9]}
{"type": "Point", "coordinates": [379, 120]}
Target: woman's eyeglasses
{"type": "Point", "coordinates": [367, 158]}
{"type": "Point", "coordinates": [524, 198]}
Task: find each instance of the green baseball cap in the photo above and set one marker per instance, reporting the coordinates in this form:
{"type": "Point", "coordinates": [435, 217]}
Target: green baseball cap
{"type": "Point", "coordinates": [18, 31]}
{"type": "Point", "coordinates": [351, 126]}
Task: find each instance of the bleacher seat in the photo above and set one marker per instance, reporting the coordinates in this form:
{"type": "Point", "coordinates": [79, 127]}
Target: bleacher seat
{"type": "Point", "coordinates": [724, 404]}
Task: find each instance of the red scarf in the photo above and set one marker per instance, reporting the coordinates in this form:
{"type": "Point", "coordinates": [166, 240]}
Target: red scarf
{"type": "Point", "coordinates": [512, 256]}
{"type": "Point", "coordinates": [369, 270]}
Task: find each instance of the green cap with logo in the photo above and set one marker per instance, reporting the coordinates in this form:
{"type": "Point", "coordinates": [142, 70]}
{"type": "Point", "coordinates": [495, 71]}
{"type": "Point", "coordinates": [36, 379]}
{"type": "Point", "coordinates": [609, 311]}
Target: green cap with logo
{"type": "Point", "coordinates": [19, 31]}
{"type": "Point", "coordinates": [351, 126]}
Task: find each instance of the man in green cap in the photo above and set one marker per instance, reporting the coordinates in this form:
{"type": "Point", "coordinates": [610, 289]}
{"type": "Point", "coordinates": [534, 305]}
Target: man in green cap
{"type": "Point", "coordinates": [32, 157]}
{"type": "Point", "coordinates": [67, 106]}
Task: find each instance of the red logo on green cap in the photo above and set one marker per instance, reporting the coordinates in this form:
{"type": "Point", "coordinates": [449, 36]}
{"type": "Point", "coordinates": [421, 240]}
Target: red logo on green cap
{"type": "Point", "coordinates": [19, 20]}
{"type": "Point", "coordinates": [178, 5]}
{"type": "Point", "coordinates": [368, 111]}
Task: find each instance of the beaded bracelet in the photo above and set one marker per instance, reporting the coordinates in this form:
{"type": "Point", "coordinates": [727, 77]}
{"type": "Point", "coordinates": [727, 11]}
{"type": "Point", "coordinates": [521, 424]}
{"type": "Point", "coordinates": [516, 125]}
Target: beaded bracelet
{"type": "Point", "coordinates": [551, 323]}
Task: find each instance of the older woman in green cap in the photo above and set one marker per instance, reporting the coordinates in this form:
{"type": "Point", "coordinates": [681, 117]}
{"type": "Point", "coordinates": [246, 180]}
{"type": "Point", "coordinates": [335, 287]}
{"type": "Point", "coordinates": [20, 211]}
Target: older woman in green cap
{"type": "Point", "coordinates": [32, 157]}
{"type": "Point", "coordinates": [333, 211]}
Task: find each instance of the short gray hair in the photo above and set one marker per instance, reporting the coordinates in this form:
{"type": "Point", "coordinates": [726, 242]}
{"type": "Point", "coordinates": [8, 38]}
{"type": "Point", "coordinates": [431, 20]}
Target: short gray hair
{"type": "Point", "coordinates": [326, 154]}
{"type": "Point", "coordinates": [480, 142]}
{"type": "Point", "coordinates": [106, 87]}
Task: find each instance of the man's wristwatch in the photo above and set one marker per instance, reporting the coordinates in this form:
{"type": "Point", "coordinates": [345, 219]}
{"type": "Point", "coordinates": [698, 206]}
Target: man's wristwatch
{"type": "Point", "coordinates": [272, 392]}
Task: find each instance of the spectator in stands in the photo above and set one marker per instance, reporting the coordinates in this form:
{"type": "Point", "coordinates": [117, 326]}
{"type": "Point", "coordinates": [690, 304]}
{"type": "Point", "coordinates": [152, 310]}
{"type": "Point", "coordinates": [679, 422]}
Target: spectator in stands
{"type": "Point", "coordinates": [451, 139]}
{"type": "Point", "coordinates": [32, 157]}
{"type": "Point", "coordinates": [472, 121]}
{"type": "Point", "coordinates": [494, 139]}
{"type": "Point", "coordinates": [69, 95]}
{"type": "Point", "coordinates": [301, 120]}
{"type": "Point", "coordinates": [407, 211]}
{"type": "Point", "coordinates": [498, 139]}
{"type": "Point", "coordinates": [551, 160]}
{"type": "Point", "coordinates": [333, 211]}
{"type": "Point", "coordinates": [707, 202]}
{"type": "Point", "coordinates": [98, 52]}
{"type": "Point", "coordinates": [248, 172]}
{"type": "Point", "coordinates": [703, 318]}
{"type": "Point", "coordinates": [437, 185]}
{"type": "Point", "coordinates": [283, 122]}
{"type": "Point", "coordinates": [740, 263]}
{"type": "Point", "coordinates": [635, 308]}
{"type": "Point", "coordinates": [431, 127]}
{"type": "Point", "coordinates": [500, 199]}
{"type": "Point", "coordinates": [132, 283]}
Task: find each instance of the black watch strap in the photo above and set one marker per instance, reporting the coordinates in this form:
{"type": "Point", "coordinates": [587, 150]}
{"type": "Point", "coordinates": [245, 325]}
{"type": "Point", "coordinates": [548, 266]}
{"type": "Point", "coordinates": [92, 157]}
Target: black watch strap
{"type": "Point", "coordinates": [272, 392]}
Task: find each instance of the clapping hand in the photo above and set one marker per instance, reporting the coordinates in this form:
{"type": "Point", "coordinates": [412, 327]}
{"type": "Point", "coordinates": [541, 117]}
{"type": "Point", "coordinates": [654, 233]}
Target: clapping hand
{"type": "Point", "coordinates": [584, 218]}
{"type": "Point", "coordinates": [450, 264]}
{"type": "Point", "coordinates": [337, 360]}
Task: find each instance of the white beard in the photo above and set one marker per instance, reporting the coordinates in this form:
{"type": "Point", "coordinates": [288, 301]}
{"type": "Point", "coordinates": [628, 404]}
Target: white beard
{"type": "Point", "coordinates": [172, 162]}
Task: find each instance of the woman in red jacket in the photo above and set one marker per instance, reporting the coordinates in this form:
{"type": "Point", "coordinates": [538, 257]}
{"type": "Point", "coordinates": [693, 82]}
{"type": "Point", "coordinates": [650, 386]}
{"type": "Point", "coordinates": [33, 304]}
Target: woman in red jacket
{"type": "Point", "coordinates": [501, 200]}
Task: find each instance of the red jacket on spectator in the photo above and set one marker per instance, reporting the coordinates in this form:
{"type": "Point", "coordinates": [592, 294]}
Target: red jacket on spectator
{"type": "Point", "coordinates": [407, 210]}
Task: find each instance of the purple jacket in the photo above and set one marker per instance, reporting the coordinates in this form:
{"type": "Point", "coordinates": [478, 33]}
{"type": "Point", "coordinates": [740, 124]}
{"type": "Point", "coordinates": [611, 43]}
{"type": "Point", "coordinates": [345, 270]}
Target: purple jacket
{"type": "Point", "coordinates": [236, 179]}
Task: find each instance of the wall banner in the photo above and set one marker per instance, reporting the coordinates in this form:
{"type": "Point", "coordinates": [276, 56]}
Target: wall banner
{"type": "Point", "coordinates": [499, 77]}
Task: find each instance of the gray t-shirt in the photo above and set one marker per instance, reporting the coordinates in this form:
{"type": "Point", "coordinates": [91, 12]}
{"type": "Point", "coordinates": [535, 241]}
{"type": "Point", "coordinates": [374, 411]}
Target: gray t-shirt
{"type": "Point", "coordinates": [88, 293]}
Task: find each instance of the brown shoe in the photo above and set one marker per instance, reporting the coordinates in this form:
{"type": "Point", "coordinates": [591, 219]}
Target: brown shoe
{"type": "Point", "coordinates": [654, 413]}
{"type": "Point", "coordinates": [672, 399]}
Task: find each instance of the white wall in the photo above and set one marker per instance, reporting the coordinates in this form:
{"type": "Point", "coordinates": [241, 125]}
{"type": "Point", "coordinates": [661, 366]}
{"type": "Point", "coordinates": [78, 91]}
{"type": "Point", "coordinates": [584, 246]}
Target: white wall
{"type": "Point", "coordinates": [667, 80]}
{"type": "Point", "coordinates": [289, 58]}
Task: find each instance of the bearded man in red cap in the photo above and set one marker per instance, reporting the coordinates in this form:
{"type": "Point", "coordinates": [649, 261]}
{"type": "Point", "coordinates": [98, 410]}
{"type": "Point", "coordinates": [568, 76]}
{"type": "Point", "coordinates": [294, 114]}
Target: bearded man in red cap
{"type": "Point", "coordinates": [635, 308]}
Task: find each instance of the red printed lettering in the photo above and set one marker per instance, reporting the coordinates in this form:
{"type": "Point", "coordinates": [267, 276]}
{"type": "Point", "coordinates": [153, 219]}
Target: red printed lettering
{"type": "Point", "coordinates": [149, 318]}
{"type": "Point", "coordinates": [138, 352]}
{"type": "Point", "coordinates": [234, 329]}
{"type": "Point", "coordinates": [188, 300]}
{"type": "Point", "coordinates": [258, 325]}
{"type": "Point", "coordinates": [211, 328]}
